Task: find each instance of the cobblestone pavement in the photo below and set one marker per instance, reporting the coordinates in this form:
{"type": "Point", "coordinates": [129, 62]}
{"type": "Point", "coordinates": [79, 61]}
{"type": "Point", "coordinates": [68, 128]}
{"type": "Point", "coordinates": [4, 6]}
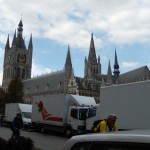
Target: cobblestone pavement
{"type": "Point", "coordinates": [44, 141]}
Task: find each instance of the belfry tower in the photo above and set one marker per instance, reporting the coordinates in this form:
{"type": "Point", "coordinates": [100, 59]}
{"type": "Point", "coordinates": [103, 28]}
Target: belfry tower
{"type": "Point", "coordinates": [17, 58]}
{"type": "Point", "coordinates": [92, 65]}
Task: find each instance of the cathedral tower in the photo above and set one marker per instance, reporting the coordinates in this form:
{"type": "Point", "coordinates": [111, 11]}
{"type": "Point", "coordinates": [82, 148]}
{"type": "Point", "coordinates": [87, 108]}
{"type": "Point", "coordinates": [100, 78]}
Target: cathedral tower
{"type": "Point", "coordinates": [92, 65]}
{"type": "Point", "coordinates": [17, 58]}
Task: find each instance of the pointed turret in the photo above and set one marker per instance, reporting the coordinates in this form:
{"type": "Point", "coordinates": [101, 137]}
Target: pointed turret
{"type": "Point", "coordinates": [20, 27]}
{"type": "Point", "coordinates": [7, 43]}
{"type": "Point", "coordinates": [116, 67]}
{"type": "Point", "coordinates": [116, 60]}
{"type": "Point", "coordinates": [109, 74]}
{"type": "Point", "coordinates": [30, 43]}
{"type": "Point", "coordinates": [92, 54]}
{"type": "Point", "coordinates": [98, 59]}
{"type": "Point", "coordinates": [68, 64]}
{"type": "Point", "coordinates": [20, 40]}
{"type": "Point", "coordinates": [14, 39]}
{"type": "Point", "coordinates": [68, 58]}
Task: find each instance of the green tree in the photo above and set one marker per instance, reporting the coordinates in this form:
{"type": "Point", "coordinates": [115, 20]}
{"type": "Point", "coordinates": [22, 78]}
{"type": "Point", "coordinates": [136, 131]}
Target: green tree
{"type": "Point", "coordinates": [2, 100]}
{"type": "Point", "coordinates": [15, 91]}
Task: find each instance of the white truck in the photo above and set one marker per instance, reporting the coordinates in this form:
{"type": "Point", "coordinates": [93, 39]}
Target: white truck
{"type": "Point", "coordinates": [11, 109]}
{"type": "Point", "coordinates": [130, 102]}
{"type": "Point", "coordinates": [66, 113]}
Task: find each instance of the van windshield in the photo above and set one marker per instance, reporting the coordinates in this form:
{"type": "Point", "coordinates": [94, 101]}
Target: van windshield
{"type": "Point", "coordinates": [26, 115]}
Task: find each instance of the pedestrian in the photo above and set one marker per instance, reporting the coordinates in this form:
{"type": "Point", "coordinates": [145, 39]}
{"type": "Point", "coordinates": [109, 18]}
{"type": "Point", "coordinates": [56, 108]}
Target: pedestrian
{"type": "Point", "coordinates": [107, 125]}
{"type": "Point", "coordinates": [17, 124]}
{"type": "Point", "coordinates": [1, 120]}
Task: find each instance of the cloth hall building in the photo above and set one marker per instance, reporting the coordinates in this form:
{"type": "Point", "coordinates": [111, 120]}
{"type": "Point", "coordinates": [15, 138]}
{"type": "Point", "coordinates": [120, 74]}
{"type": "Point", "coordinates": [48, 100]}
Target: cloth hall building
{"type": "Point", "coordinates": [18, 63]}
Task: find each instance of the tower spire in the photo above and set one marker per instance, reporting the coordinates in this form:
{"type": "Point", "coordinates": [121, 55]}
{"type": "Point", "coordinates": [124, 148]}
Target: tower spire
{"type": "Point", "coordinates": [14, 39]}
{"type": "Point", "coordinates": [92, 53]}
{"type": "Point", "coordinates": [109, 74]}
{"type": "Point", "coordinates": [68, 64]}
{"type": "Point", "coordinates": [30, 43]}
{"type": "Point", "coordinates": [116, 67]}
{"type": "Point", "coordinates": [7, 43]}
{"type": "Point", "coordinates": [68, 58]}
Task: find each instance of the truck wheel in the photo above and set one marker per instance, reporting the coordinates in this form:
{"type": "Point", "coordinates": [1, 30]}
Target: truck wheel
{"type": "Point", "coordinates": [68, 132]}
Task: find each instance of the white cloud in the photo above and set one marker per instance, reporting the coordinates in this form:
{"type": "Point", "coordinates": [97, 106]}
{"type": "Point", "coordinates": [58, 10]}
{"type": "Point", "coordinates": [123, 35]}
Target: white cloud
{"type": "Point", "coordinates": [39, 70]}
{"type": "Point", "coordinates": [70, 22]}
{"type": "Point", "coordinates": [129, 64]}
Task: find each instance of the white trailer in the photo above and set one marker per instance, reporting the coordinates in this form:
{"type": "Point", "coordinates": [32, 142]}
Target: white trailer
{"type": "Point", "coordinates": [65, 113]}
{"type": "Point", "coordinates": [130, 102]}
{"type": "Point", "coordinates": [11, 109]}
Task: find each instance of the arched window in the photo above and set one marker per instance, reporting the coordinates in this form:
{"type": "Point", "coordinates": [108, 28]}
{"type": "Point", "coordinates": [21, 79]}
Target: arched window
{"type": "Point", "coordinates": [23, 73]}
{"type": "Point", "coordinates": [18, 72]}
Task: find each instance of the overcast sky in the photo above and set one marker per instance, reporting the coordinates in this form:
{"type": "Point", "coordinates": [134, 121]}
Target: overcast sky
{"type": "Point", "coordinates": [123, 25]}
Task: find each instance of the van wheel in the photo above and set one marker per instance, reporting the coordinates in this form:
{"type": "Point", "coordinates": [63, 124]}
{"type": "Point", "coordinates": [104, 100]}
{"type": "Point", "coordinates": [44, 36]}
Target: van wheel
{"type": "Point", "coordinates": [68, 132]}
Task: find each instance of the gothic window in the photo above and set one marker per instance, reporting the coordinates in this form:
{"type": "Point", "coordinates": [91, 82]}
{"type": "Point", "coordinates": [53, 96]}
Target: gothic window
{"type": "Point", "coordinates": [59, 83]}
{"type": "Point", "coordinates": [91, 69]}
{"type": "Point", "coordinates": [47, 86]}
{"type": "Point", "coordinates": [71, 83]}
{"type": "Point", "coordinates": [23, 73]}
{"type": "Point", "coordinates": [94, 86]}
{"type": "Point", "coordinates": [85, 84]}
{"type": "Point", "coordinates": [8, 72]}
{"type": "Point", "coordinates": [94, 70]}
{"type": "Point", "coordinates": [18, 72]}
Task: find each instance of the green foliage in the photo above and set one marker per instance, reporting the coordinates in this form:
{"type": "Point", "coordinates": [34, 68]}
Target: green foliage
{"type": "Point", "coordinates": [2, 100]}
{"type": "Point", "coordinates": [22, 143]}
{"type": "Point", "coordinates": [15, 91]}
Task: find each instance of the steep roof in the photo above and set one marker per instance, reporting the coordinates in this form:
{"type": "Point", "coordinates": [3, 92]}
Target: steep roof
{"type": "Point", "coordinates": [45, 83]}
{"type": "Point", "coordinates": [135, 75]}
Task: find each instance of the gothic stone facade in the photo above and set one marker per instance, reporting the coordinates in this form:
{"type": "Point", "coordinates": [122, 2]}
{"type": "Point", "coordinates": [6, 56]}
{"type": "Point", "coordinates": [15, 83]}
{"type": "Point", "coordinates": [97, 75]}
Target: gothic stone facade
{"type": "Point", "coordinates": [18, 62]}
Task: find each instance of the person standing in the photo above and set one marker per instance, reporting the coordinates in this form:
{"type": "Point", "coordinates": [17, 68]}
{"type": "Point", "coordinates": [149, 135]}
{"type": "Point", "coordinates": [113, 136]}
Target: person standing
{"type": "Point", "coordinates": [1, 120]}
{"type": "Point", "coordinates": [17, 124]}
{"type": "Point", "coordinates": [107, 125]}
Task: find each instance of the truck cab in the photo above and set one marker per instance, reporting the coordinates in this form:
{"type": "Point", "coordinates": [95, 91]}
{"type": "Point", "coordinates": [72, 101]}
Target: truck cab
{"type": "Point", "coordinates": [81, 118]}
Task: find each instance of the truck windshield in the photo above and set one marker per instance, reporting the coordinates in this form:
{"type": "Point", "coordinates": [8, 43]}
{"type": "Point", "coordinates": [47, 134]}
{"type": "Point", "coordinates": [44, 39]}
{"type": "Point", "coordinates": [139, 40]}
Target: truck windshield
{"type": "Point", "coordinates": [92, 112]}
{"type": "Point", "coordinates": [87, 113]}
{"type": "Point", "coordinates": [26, 115]}
{"type": "Point", "coordinates": [83, 113]}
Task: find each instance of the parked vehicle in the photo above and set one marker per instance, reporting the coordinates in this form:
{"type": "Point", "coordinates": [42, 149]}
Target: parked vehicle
{"type": "Point", "coordinates": [11, 109]}
{"type": "Point", "coordinates": [129, 102]}
{"type": "Point", "coordinates": [66, 113]}
{"type": "Point", "coordinates": [122, 140]}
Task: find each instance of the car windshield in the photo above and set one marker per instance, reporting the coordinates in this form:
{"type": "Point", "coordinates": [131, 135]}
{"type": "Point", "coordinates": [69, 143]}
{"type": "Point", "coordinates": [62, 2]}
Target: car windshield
{"type": "Point", "coordinates": [26, 115]}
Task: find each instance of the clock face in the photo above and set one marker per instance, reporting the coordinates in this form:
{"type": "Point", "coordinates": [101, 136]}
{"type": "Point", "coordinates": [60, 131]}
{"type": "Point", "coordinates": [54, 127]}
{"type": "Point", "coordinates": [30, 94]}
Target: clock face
{"type": "Point", "coordinates": [21, 58]}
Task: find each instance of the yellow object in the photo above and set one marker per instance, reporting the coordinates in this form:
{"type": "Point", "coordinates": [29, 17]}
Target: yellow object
{"type": "Point", "coordinates": [103, 127]}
